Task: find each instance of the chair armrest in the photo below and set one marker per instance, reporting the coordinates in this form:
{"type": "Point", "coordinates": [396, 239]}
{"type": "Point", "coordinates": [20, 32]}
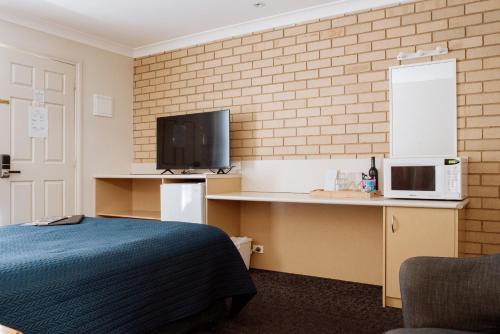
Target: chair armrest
{"type": "Point", "coordinates": [462, 294]}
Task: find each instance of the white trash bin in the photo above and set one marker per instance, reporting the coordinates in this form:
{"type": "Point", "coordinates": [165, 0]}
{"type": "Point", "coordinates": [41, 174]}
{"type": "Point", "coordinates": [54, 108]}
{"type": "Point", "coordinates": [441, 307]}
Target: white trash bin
{"type": "Point", "coordinates": [244, 245]}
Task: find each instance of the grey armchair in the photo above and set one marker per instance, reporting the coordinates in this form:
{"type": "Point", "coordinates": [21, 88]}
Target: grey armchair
{"type": "Point", "coordinates": [450, 296]}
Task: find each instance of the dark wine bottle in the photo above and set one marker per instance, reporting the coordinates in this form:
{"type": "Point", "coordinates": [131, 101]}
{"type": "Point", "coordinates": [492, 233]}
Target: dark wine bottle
{"type": "Point", "coordinates": [373, 173]}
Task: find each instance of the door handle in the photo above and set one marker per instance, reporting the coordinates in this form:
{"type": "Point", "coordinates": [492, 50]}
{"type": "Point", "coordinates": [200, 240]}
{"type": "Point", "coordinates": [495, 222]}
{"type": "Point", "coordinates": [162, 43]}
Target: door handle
{"type": "Point", "coordinates": [393, 227]}
{"type": "Point", "coordinates": [5, 167]}
{"type": "Point", "coordinates": [5, 173]}
{"type": "Point", "coordinates": [2, 101]}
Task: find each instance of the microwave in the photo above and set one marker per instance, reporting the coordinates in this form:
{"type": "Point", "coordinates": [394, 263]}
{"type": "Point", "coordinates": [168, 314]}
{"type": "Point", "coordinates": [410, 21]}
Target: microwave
{"type": "Point", "coordinates": [426, 178]}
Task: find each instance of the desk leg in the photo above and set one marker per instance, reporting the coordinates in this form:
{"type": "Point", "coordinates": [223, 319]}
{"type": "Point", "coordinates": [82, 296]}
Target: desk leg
{"type": "Point", "coordinates": [223, 214]}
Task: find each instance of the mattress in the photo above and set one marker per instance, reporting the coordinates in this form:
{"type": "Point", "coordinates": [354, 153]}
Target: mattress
{"type": "Point", "coordinates": [115, 275]}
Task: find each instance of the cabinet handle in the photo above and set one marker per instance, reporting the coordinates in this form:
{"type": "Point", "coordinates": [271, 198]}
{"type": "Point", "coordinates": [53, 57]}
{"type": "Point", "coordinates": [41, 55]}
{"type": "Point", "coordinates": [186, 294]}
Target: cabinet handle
{"type": "Point", "coordinates": [393, 228]}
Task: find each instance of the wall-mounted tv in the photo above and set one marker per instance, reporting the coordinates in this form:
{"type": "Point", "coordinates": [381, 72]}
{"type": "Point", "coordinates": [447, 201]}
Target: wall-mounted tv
{"type": "Point", "coordinates": [193, 141]}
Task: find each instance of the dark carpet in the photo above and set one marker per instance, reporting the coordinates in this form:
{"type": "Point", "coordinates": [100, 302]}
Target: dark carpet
{"type": "Point", "coordinates": [287, 303]}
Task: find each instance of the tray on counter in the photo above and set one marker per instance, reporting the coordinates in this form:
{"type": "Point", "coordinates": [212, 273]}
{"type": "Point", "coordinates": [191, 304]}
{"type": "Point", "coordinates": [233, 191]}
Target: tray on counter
{"type": "Point", "coordinates": [341, 194]}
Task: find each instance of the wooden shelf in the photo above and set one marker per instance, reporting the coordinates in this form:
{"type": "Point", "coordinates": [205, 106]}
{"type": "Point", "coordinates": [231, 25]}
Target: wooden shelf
{"type": "Point", "coordinates": [136, 214]}
{"type": "Point", "coordinates": [128, 198]}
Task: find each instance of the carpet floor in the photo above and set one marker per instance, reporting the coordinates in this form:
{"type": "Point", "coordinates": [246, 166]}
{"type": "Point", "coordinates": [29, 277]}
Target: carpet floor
{"type": "Point", "coordinates": [287, 303]}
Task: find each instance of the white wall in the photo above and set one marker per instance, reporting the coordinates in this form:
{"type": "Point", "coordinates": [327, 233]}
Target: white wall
{"type": "Point", "coordinates": [106, 142]}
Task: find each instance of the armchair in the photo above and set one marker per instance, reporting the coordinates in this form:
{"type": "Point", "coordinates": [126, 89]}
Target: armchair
{"type": "Point", "coordinates": [450, 295]}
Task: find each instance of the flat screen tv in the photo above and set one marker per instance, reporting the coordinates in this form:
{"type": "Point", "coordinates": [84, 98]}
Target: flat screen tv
{"type": "Point", "coordinates": [194, 141]}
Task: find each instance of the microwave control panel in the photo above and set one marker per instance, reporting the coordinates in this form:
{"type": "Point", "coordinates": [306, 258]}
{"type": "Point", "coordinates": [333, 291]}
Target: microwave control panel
{"type": "Point", "coordinates": [452, 175]}
{"type": "Point", "coordinates": [452, 178]}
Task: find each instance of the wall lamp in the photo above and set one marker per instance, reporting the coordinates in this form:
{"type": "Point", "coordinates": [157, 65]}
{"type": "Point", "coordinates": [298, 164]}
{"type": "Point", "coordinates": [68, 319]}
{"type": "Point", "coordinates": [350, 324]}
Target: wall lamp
{"type": "Point", "coordinates": [420, 53]}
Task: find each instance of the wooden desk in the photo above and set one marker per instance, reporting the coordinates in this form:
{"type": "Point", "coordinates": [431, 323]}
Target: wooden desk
{"type": "Point", "coordinates": [359, 240]}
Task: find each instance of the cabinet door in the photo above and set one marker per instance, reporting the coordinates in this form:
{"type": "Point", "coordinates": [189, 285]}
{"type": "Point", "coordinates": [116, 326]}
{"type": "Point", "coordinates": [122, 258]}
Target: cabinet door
{"type": "Point", "coordinates": [416, 232]}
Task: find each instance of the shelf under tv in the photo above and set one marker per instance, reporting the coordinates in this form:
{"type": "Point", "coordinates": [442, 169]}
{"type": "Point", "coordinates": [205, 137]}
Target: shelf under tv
{"type": "Point", "coordinates": [138, 196]}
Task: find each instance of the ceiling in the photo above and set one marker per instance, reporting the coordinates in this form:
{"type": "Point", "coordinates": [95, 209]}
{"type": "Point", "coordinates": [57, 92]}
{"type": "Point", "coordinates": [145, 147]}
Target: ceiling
{"type": "Point", "coordinates": [139, 27]}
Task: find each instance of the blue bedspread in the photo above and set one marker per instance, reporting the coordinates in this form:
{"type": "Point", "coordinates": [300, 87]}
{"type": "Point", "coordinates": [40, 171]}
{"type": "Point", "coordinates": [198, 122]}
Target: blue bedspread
{"type": "Point", "coordinates": [115, 275]}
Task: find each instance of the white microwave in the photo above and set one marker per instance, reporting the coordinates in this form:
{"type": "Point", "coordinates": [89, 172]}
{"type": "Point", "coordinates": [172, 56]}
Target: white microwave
{"type": "Point", "coordinates": [426, 178]}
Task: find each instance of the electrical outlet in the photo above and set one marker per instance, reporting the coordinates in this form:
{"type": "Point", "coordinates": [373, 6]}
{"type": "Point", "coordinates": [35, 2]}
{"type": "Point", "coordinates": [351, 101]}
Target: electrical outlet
{"type": "Point", "coordinates": [258, 249]}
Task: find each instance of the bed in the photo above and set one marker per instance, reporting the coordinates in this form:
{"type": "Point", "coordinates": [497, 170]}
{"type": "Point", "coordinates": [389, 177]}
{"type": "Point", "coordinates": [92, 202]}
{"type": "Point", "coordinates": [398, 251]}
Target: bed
{"type": "Point", "coordinates": [116, 275]}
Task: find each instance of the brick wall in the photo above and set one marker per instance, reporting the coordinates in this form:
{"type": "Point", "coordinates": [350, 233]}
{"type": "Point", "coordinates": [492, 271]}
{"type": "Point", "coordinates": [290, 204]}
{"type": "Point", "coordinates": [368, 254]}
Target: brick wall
{"type": "Point", "coordinates": [320, 90]}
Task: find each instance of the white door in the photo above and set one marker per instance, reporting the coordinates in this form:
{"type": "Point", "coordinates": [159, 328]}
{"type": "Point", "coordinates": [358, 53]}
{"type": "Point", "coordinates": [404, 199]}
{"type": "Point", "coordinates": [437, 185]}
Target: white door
{"type": "Point", "coordinates": [45, 185]}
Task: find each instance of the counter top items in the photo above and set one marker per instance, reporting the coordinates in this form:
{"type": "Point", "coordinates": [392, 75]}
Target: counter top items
{"type": "Point", "coordinates": [320, 193]}
{"type": "Point", "coordinates": [336, 180]}
{"type": "Point", "coordinates": [373, 173]}
{"type": "Point", "coordinates": [370, 181]}
{"type": "Point", "coordinates": [331, 179]}
{"type": "Point", "coordinates": [340, 184]}
{"type": "Point", "coordinates": [368, 184]}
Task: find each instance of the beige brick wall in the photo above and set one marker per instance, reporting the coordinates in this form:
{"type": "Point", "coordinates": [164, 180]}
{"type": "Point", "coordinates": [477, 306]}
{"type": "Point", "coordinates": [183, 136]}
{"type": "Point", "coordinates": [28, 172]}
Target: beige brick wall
{"type": "Point", "coordinates": [320, 90]}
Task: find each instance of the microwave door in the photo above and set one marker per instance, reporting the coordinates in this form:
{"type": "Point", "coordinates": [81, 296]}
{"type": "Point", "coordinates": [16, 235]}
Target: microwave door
{"type": "Point", "coordinates": [414, 179]}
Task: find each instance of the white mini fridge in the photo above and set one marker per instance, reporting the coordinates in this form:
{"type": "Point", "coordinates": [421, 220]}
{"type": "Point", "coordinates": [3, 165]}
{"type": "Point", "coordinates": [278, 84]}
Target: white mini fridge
{"type": "Point", "coordinates": [183, 202]}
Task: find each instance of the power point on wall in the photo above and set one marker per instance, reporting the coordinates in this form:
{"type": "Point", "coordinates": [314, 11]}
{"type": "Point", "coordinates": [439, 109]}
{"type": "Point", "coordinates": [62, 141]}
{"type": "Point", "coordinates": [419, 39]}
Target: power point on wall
{"type": "Point", "coordinates": [258, 249]}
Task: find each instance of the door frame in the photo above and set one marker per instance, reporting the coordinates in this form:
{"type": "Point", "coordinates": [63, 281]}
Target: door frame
{"type": "Point", "coordinates": [78, 64]}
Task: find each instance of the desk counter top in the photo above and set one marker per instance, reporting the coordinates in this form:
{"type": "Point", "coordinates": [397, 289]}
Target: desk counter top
{"type": "Point", "coordinates": [168, 176]}
{"type": "Point", "coordinates": [306, 198]}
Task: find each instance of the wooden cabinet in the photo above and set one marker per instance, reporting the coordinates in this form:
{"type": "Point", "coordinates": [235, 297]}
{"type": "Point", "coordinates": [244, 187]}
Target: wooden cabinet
{"type": "Point", "coordinates": [138, 196]}
{"type": "Point", "coordinates": [413, 232]}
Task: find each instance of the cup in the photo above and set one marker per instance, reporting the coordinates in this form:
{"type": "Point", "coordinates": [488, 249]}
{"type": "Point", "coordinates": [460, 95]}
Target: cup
{"type": "Point", "coordinates": [369, 185]}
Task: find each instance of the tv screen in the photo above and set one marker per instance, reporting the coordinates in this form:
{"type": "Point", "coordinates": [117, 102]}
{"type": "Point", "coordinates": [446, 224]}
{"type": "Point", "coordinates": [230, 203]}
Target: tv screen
{"type": "Point", "coordinates": [195, 141]}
